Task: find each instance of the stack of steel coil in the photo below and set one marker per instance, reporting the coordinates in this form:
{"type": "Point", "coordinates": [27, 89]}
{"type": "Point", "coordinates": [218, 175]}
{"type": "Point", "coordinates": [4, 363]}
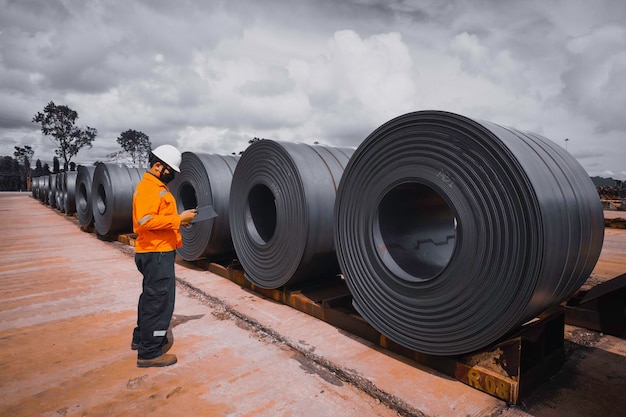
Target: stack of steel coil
{"type": "Point", "coordinates": [281, 211]}
{"type": "Point", "coordinates": [204, 180]}
{"type": "Point", "coordinates": [452, 232]}
{"type": "Point", "coordinates": [449, 232]}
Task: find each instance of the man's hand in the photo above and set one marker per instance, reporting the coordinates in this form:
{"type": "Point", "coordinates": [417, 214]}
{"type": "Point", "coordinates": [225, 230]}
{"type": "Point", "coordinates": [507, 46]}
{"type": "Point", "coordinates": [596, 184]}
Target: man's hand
{"type": "Point", "coordinates": [187, 216]}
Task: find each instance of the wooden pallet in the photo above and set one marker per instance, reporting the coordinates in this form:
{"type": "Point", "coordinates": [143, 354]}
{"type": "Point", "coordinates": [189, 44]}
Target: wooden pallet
{"type": "Point", "coordinates": [616, 223]}
{"type": "Point", "coordinates": [127, 238]}
{"type": "Point", "coordinates": [613, 204]}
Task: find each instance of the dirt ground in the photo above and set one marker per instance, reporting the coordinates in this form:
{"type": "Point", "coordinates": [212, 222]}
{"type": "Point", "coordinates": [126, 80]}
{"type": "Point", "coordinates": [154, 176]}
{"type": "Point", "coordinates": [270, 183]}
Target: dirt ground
{"type": "Point", "coordinates": [68, 305]}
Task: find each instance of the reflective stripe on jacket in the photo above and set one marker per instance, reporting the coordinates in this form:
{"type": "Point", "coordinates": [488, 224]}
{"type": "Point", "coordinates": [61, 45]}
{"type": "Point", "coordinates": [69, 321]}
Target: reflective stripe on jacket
{"type": "Point", "coordinates": [155, 217]}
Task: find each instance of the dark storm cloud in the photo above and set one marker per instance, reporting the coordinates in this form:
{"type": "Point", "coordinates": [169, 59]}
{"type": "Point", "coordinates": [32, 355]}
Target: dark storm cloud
{"type": "Point", "coordinates": [599, 66]}
{"type": "Point", "coordinates": [213, 74]}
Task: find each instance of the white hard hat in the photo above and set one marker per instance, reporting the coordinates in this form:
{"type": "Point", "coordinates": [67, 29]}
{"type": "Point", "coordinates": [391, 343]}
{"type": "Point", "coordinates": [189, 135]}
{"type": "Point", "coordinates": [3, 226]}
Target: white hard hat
{"type": "Point", "coordinates": [170, 155]}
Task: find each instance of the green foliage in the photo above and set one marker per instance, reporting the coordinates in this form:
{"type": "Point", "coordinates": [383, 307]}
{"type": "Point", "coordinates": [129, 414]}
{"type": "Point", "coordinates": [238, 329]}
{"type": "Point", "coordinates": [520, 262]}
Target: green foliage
{"type": "Point", "coordinates": [12, 175]}
{"type": "Point", "coordinates": [58, 122]}
{"type": "Point", "coordinates": [24, 154]}
{"type": "Point", "coordinates": [251, 141]}
{"type": "Point", "coordinates": [38, 169]}
{"type": "Point", "coordinates": [136, 144]}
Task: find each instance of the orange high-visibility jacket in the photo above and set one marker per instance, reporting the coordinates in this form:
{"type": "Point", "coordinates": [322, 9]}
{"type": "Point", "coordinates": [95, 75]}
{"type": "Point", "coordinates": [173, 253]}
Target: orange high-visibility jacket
{"type": "Point", "coordinates": [155, 217]}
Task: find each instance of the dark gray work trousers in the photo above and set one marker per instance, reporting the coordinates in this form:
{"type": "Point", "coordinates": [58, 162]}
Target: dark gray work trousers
{"type": "Point", "coordinates": [156, 302]}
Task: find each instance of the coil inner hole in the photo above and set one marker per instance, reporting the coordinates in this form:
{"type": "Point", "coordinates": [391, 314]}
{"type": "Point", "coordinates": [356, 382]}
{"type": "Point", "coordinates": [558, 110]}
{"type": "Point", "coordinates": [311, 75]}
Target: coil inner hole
{"type": "Point", "coordinates": [101, 198]}
{"type": "Point", "coordinates": [416, 232]}
{"type": "Point", "coordinates": [188, 196]}
{"type": "Point", "coordinates": [261, 214]}
{"type": "Point", "coordinates": [82, 197]}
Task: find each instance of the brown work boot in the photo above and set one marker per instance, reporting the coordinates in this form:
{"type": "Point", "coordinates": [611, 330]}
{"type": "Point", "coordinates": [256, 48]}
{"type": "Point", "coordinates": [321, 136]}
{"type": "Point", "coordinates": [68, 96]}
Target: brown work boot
{"type": "Point", "coordinates": [163, 360]}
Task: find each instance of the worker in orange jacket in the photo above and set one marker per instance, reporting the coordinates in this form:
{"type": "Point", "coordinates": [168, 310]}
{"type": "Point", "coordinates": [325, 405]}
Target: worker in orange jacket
{"type": "Point", "coordinates": [157, 222]}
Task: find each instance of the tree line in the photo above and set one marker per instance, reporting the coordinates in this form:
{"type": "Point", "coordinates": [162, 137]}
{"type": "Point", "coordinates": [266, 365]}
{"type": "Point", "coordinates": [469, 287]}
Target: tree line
{"type": "Point", "coordinates": [58, 123]}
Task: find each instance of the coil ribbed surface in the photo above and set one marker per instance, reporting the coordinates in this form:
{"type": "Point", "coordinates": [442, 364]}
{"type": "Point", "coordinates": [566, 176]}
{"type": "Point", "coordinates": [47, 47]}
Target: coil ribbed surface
{"type": "Point", "coordinates": [69, 192]}
{"type": "Point", "coordinates": [52, 191]}
{"type": "Point", "coordinates": [205, 180]}
{"type": "Point", "coordinates": [37, 183]}
{"type": "Point", "coordinates": [84, 180]}
{"type": "Point", "coordinates": [44, 191]}
{"type": "Point", "coordinates": [112, 197]}
{"type": "Point", "coordinates": [60, 191]}
{"type": "Point", "coordinates": [34, 189]}
{"type": "Point", "coordinates": [452, 232]}
{"type": "Point", "coordinates": [281, 211]}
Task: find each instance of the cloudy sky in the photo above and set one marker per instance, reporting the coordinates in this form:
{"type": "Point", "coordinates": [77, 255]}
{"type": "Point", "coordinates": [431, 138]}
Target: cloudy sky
{"type": "Point", "coordinates": [210, 75]}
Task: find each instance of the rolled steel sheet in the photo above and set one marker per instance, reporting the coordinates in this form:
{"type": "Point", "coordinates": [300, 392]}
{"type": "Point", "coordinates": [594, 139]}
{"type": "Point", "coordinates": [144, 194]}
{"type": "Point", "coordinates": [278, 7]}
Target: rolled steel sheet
{"type": "Point", "coordinates": [69, 192]}
{"type": "Point", "coordinates": [281, 211]}
{"type": "Point", "coordinates": [204, 180]}
{"type": "Point", "coordinates": [112, 197]}
{"type": "Point", "coordinates": [453, 232]}
{"type": "Point", "coordinates": [84, 180]}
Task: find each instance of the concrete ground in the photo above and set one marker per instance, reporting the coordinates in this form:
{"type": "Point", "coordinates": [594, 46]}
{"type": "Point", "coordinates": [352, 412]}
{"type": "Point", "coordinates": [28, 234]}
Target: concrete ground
{"type": "Point", "coordinates": [68, 306]}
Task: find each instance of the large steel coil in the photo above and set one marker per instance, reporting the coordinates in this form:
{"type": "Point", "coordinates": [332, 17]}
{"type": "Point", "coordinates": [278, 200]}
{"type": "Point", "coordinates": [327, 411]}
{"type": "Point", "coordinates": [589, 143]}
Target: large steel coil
{"type": "Point", "coordinates": [112, 197]}
{"type": "Point", "coordinates": [44, 184]}
{"type": "Point", "coordinates": [281, 211]}
{"type": "Point", "coordinates": [35, 187]}
{"type": "Point", "coordinates": [452, 232]}
{"type": "Point", "coordinates": [84, 180]}
{"type": "Point", "coordinates": [41, 184]}
{"type": "Point", "coordinates": [59, 194]}
{"type": "Point", "coordinates": [69, 192]}
{"type": "Point", "coordinates": [52, 191]}
{"type": "Point", "coordinates": [204, 180]}
{"type": "Point", "coordinates": [54, 188]}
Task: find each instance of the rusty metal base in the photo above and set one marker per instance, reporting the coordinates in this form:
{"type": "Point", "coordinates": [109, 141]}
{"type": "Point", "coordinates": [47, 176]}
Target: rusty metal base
{"type": "Point", "coordinates": [508, 370]}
